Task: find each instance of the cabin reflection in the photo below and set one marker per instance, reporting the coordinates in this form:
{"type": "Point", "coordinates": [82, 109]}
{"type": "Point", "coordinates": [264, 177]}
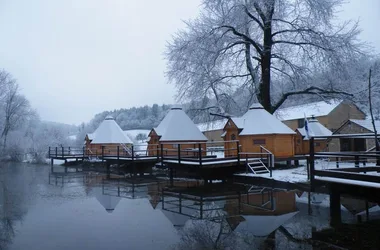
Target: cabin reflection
{"type": "Point", "coordinates": [72, 177]}
{"type": "Point", "coordinates": [256, 210]}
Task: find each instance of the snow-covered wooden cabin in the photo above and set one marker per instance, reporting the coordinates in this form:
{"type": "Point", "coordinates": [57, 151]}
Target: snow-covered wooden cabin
{"type": "Point", "coordinates": [110, 135]}
{"type": "Point", "coordinates": [315, 129]}
{"type": "Point", "coordinates": [258, 128]}
{"type": "Point", "coordinates": [176, 128]}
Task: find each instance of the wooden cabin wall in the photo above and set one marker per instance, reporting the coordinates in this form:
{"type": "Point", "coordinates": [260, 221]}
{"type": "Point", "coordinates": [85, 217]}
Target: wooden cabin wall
{"type": "Point", "coordinates": [171, 148]}
{"type": "Point", "coordinates": [279, 145]}
{"type": "Point", "coordinates": [298, 144]}
{"type": "Point", "coordinates": [232, 133]}
{"type": "Point", "coordinates": [187, 150]}
{"type": "Point", "coordinates": [110, 149]}
{"type": "Point", "coordinates": [153, 144]}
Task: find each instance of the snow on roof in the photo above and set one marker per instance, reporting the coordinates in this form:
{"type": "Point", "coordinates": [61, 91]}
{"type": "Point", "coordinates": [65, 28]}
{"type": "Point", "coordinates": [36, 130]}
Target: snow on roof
{"type": "Point", "coordinates": [367, 124]}
{"type": "Point", "coordinates": [177, 126]}
{"type": "Point", "coordinates": [261, 225]}
{"type": "Point", "coordinates": [316, 109]}
{"type": "Point", "coordinates": [258, 121]}
{"type": "Point", "coordinates": [110, 132]}
{"type": "Point", "coordinates": [109, 202]}
{"type": "Point", "coordinates": [213, 125]}
{"type": "Point", "coordinates": [315, 129]}
{"type": "Point", "coordinates": [91, 136]}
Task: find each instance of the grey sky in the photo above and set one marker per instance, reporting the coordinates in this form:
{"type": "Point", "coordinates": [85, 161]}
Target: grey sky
{"type": "Point", "coordinates": [75, 58]}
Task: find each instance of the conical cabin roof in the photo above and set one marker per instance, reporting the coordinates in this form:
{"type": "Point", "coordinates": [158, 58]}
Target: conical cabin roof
{"type": "Point", "coordinates": [109, 202]}
{"type": "Point", "coordinates": [110, 132]}
{"type": "Point", "coordinates": [315, 129]}
{"type": "Point", "coordinates": [258, 121]}
{"type": "Point", "coordinates": [177, 126]}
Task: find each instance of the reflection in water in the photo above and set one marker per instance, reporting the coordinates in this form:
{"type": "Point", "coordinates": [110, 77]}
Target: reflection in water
{"type": "Point", "coordinates": [69, 209]}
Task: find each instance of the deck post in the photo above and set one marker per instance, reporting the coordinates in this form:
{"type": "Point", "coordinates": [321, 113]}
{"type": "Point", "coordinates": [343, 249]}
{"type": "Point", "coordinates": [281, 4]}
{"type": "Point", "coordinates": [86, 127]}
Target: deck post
{"type": "Point", "coordinates": [63, 152]}
{"type": "Point", "coordinates": [102, 153]}
{"type": "Point", "coordinates": [52, 161]}
{"type": "Point", "coordinates": [238, 153]}
{"type": "Point", "coordinates": [200, 154]}
{"type": "Point", "coordinates": [162, 155]}
{"type": "Point", "coordinates": [180, 202]}
{"type": "Point", "coordinates": [337, 162]}
{"type": "Point", "coordinates": [171, 176]}
{"type": "Point", "coordinates": [357, 163]}
{"type": "Point", "coordinates": [118, 153]}
{"type": "Point", "coordinates": [201, 207]}
{"type": "Point", "coordinates": [270, 165]}
{"type": "Point", "coordinates": [335, 210]}
{"type": "Point", "coordinates": [179, 154]}
{"type": "Point", "coordinates": [157, 152]}
{"type": "Point", "coordinates": [312, 158]}
{"type": "Point", "coordinates": [133, 153]}
{"type": "Point", "coordinates": [49, 152]}
{"type": "Point", "coordinates": [56, 151]}
{"type": "Point", "coordinates": [308, 167]}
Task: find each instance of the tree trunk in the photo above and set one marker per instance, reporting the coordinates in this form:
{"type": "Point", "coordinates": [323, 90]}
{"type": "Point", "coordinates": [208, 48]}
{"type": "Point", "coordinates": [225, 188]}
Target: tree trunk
{"type": "Point", "coordinates": [266, 57]}
{"type": "Point", "coordinates": [377, 146]}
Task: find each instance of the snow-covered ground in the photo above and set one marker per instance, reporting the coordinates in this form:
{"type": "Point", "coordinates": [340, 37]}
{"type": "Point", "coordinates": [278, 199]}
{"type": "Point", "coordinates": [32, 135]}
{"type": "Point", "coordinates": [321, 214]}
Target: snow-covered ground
{"type": "Point", "coordinates": [140, 145]}
{"type": "Point", "coordinates": [299, 175]}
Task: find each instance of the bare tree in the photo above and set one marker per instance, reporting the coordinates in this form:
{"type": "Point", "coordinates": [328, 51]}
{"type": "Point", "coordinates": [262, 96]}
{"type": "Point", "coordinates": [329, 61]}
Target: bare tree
{"type": "Point", "coordinates": [274, 49]}
{"type": "Point", "coordinates": [16, 109]}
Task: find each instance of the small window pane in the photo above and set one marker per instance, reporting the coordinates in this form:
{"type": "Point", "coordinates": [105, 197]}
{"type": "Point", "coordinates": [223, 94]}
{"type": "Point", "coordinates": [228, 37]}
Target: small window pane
{"type": "Point", "coordinates": [259, 142]}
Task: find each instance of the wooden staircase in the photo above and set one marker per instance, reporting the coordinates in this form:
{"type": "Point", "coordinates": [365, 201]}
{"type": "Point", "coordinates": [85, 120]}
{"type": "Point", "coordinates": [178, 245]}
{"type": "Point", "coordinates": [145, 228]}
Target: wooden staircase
{"type": "Point", "coordinates": [257, 167]}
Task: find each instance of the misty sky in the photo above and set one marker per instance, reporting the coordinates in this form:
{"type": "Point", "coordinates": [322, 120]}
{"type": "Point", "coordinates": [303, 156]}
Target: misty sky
{"type": "Point", "coordinates": [76, 58]}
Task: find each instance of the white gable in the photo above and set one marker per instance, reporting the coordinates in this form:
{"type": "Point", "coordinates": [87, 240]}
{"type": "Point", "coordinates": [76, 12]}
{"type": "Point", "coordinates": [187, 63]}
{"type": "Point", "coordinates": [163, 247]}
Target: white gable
{"type": "Point", "coordinates": [177, 126]}
{"type": "Point", "coordinates": [110, 132]}
{"type": "Point", "coordinates": [316, 109]}
{"type": "Point", "coordinates": [315, 129]}
{"type": "Point", "coordinates": [258, 121]}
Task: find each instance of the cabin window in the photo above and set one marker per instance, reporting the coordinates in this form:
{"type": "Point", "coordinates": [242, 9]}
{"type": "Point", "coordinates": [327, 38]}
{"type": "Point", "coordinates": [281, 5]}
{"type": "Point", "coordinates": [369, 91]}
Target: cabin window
{"type": "Point", "coordinates": [259, 142]}
{"type": "Point", "coordinates": [317, 144]}
{"type": "Point", "coordinates": [175, 145]}
{"type": "Point", "coordinates": [301, 123]}
{"type": "Point", "coordinates": [233, 137]}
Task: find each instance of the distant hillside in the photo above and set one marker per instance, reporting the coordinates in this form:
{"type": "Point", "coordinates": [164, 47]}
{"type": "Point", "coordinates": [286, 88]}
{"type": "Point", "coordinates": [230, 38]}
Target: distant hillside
{"type": "Point", "coordinates": [144, 117]}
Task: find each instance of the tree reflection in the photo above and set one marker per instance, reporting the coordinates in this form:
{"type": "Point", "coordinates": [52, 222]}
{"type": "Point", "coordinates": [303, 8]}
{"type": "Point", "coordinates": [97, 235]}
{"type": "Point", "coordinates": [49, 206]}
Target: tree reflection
{"type": "Point", "coordinates": [12, 203]}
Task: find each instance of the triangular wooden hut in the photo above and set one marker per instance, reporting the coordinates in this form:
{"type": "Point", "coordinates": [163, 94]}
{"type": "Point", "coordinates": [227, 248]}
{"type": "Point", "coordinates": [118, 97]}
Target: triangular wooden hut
{"type": "Point", "coordinates": [110, 136]}
{"type": "Point", "coordinates": [176, 128]}
{"type": "Point", "coordinates": [315, 129]}
{"type": "Point", "coordinates": [257, 128]}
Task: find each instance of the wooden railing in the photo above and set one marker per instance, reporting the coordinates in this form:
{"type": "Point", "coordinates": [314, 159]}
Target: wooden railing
{"type": "Point", "coordinates": [264, 155]}
{"type": "Point", "coordinates": [355, 157]}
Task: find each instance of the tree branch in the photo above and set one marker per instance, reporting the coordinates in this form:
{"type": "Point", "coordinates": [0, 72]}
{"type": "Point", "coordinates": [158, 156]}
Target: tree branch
{"type": "Point", "coordinates": [308, 91]}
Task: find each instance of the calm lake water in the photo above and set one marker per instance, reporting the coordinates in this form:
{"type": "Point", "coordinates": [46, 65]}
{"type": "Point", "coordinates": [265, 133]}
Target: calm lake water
{"type": "Point", "coordinates": [77, 210]}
